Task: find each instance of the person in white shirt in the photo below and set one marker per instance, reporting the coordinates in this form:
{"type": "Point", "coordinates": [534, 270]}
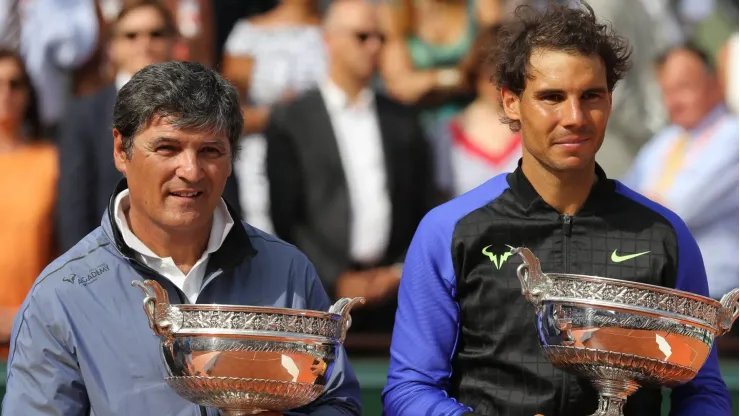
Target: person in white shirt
{"type": "Point", "coordinates": [350, 171]}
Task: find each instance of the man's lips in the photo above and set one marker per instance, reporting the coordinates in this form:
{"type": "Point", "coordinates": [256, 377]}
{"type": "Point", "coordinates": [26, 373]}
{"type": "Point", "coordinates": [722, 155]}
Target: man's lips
{"type": "Point", "coordinates": [571, 140]}
{"type": "Point", "coordinates": [186, 193]}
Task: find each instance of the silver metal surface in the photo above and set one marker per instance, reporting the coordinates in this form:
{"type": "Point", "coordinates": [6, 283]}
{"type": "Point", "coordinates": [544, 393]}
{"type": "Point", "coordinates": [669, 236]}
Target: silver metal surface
{"type": "Point", "coordinates": [621, 334]}
{"type": "Point", "coordinates": [246, 360]}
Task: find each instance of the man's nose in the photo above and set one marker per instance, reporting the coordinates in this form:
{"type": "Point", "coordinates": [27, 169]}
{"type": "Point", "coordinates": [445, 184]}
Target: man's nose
{"type": "Point", "coordinates": [574, 114]}
{"type": "Point", "coordinates": [189, 167]}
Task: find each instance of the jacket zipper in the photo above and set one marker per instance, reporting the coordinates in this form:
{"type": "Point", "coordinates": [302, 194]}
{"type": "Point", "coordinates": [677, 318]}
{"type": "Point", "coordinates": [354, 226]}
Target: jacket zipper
{"type": "Point", "coordinates": [567, 228]}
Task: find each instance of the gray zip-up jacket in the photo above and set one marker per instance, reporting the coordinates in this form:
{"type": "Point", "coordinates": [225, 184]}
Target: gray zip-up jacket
{"type": "Point", "coordinates": [81, 343]}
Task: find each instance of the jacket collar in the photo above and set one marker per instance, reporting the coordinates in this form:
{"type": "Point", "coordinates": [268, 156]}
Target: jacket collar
{"type": "Point", "coordinates": [528, 197]}
{"type": "Point", "coordinates": [236, 248]}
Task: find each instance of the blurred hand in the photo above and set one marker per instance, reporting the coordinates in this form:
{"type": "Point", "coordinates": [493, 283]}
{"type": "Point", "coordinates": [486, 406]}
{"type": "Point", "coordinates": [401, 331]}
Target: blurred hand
{"type": "Point", "coordinates": [353, 284]}
{"type": "Point", "coordinates": [384, 284]}
{"type": "Point", "coordinates": [288, 96]}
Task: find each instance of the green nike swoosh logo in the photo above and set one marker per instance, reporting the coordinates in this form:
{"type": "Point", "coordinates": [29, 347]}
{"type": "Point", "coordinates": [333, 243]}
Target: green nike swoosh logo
{"type": "Point", "coordinates": [616, 258]}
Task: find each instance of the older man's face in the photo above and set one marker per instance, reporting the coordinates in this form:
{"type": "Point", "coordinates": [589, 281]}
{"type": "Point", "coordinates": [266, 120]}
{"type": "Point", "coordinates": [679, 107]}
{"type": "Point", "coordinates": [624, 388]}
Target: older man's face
{"type": "Point", "coordinates": [176, 177]}
{"type": "Point", "coordinates": [690, 90]}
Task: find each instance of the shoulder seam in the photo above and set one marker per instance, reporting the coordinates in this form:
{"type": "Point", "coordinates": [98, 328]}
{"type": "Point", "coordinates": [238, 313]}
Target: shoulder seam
{"type": "Point", "coordinates": [71, 261]}
{"type": "Point", "coordinates": [272, 240]}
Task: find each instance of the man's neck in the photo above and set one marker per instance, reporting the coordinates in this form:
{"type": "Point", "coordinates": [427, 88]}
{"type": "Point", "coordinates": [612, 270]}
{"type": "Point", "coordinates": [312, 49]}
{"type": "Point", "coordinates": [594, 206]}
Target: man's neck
{"type": "Point", "coordinates": [564, 191]}
{"type": "Point", "coordinates": [351, 86]}
{"type": "Point", "coordinates": [185, 248]}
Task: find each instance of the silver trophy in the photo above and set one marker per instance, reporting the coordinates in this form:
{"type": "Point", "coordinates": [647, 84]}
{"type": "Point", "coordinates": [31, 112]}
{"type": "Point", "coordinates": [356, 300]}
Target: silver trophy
{"type": "Point", "coordinates": [620, 334]}
{"type": "Point", "coordinates": [245, 360]}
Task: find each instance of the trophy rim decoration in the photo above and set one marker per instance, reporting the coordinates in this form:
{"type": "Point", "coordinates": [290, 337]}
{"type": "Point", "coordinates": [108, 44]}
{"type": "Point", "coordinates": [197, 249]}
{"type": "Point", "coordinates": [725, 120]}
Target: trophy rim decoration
{"type": "Point", "coordinates": [718, 322]}
{"type": "Point", "coordinates": [565, 302]}
{"type": "Point", "coordinates": [189, 332]}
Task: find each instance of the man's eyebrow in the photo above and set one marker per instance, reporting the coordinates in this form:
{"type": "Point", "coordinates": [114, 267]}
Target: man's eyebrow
{"type": "Point", "coordinates": [215, 141]}
{"type": "Point", "coordinates": [164, 140]}
{"type": "Point", "coordinates": [550, 91]}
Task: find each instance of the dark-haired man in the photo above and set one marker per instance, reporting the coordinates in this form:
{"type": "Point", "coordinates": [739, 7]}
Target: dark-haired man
{"type": "Point", "coordinates": [81, 343]}
{"type": "Point", "coordinates": [143, 33]}
{"type": "Point", "coordinates": [465, 341]}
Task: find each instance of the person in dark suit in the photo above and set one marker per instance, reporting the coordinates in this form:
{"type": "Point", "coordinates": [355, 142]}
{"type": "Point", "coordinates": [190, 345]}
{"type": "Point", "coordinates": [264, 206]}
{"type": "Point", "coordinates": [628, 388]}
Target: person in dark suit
{"type": "Point", "coordinates": [143, 33]}
{"type": "Point", "coordinates": [349, 171]}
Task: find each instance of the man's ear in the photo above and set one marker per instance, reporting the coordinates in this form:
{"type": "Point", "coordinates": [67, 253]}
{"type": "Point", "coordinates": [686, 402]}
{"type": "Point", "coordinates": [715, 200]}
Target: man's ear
{"type": "Point", "coordinates": [120, 158]}
{"type": "Point", "coordinates": [510, 103]}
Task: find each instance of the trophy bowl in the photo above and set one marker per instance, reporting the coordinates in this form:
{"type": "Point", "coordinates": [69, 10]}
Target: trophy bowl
{"type": "Point", "coordinates": [246, 360]}
{"type": "Point", "coordinates": [621, 335]}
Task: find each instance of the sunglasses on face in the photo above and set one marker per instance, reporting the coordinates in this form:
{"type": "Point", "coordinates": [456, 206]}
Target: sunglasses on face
{"type": "Point", "coordinates": [15, 84]}
{"type": "Point", "coordinates": [365, 36]}
{"type": "Point", "coordinates": [154, 34]}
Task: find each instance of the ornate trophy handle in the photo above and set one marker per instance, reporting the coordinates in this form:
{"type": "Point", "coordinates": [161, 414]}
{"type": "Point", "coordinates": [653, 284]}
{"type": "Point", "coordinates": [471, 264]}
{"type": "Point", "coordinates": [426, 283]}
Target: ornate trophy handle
{"type": "Point", "coordinates": [535, 283]}
{"type": "Point", "coordinates": [156, 303]}
{"type": "Point", "coordinates": [342, 307]}
{"type": "Point", "coordinates": [728, 313]}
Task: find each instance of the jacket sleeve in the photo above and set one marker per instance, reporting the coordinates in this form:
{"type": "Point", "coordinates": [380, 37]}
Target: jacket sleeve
{"type": "Point", "coordinates": [707, 393]}
{"type": "Point", "coordinates": [43, 375]}
{"type": "Point", "coordinates": [426, 329]}
{"type": "Point", "coordinates": [342, 394]}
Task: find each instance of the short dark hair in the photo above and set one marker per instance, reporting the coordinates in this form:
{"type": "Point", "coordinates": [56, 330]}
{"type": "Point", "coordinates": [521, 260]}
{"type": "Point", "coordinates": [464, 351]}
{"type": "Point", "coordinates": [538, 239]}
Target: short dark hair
{"type": "Point", "coordinates": [689, 47]}
{"type": "Point", "coordinates": [559, 27]}
{"type": "Point", "coordinates": [194, 96]}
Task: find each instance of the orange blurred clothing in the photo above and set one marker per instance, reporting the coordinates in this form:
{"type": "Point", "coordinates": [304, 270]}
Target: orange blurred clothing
{"type": "Point", "coordinates": [28, 180]}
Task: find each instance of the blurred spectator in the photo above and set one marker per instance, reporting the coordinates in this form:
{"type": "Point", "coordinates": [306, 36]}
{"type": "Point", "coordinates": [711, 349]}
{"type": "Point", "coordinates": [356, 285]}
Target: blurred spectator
{"type": "Point", "coordinates": [28, 174]}
{"type": "Point", "coordinates": [728, 69]}
{"type": "Point", "coordinates": [193, 19]}
{"type": "Point", "coordinates": [195, 25]}
{"type": "Point", "coordinates": [427, 40]}
{"type": "Point", "coordinates": [57, 37]}
{"type": "Point", "coordinates": [692, 165]}
{"type": "Point", "coordinates": [228, 12]}
{"type": "Point", "coordinates": [350, 171]}
{"type": "Point", "coordinates": [637, 110]}
{"type": "Point", "coordinates": [144, 33]}
{"type": "Point", "coordinates": [270, 58]}
{"type": "Point", "coordinates": [475, 145]}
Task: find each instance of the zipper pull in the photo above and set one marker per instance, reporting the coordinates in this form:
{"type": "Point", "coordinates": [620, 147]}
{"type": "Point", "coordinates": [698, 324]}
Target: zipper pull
{"type": "Point", "coordinates": [567, 224]}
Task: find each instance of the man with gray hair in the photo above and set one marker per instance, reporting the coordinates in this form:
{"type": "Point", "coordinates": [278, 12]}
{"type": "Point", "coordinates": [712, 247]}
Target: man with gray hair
{"type": "Point", "coordinates": [81, 343]}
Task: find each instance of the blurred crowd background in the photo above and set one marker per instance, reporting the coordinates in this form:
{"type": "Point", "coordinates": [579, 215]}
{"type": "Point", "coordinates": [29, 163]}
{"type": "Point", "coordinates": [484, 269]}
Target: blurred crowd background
{"type": "Point", "coordinates": [356, 124]}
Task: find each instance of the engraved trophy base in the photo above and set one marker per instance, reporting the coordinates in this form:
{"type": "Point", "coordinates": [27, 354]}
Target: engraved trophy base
{"type": "Point", "coordinates": [615, 375]}
{"type": "Point", "coordinates": [613, 395]}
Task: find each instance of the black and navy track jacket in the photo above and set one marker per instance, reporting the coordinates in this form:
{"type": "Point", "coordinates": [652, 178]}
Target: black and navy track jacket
{"type": "Point", "coordinates": [465, 341]}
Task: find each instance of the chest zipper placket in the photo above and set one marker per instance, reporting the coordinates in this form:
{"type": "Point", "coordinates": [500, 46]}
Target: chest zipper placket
{"type": "Point", "coordinates": [567, 228]}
